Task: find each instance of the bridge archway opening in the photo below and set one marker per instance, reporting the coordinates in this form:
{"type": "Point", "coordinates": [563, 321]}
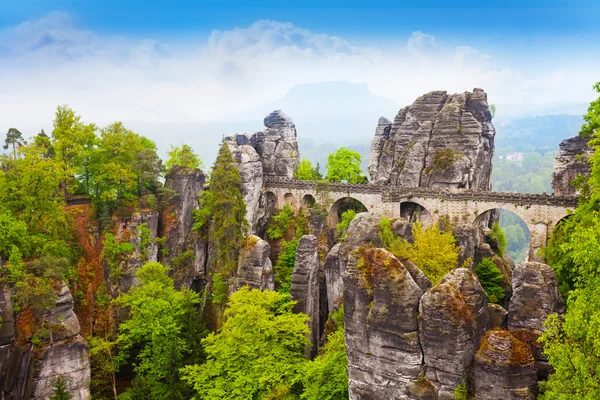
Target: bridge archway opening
{"type": "Point", "coordinates": [562, 220]}
{"type": "Point", "coordinates": [308, 201]}
{"type": "Point", "coordinates": [414, 212]}
{"type": "Point", "coordinates": [515, 229]}
{"type": "Point", "coordinates": [341, 206]}
{"type": "Point", "coordinates": [289, 198]}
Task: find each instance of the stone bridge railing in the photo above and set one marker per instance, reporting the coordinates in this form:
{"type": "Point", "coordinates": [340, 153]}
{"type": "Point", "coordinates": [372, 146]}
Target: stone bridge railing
{"type": "Point", "coordinates": [396, 194]}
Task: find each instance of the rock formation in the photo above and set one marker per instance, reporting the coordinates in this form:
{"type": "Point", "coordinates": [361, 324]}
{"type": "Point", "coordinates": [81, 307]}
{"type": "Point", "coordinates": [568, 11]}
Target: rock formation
{"type": "Point", "coordinates": [28, 372]}
{"type": "Point", "coordinates": [277, 145]}
{"type": "Point", "coordinates": [571, 161]}
{"type": "Point", "coordinates": [453, 320]}
{"type": "Point", "coordinates": [441, 140]}
{"type": "Point", "coordinates": [504, 369]}
{"type": "Point", "coordinates": [535, 296]}
{"type": "Point", "coordinates": [305, 288]}
{"type": "Point", "coordinates": [381, 302]}
{"type": "Point", "coordinates": [254, 266]}
{"type": "Point", "coordinates": [251, 171]}
{"type": "Point", "coordinates": [176, 227]}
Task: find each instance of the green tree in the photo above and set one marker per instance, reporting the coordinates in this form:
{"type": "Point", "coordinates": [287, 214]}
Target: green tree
{"type": "Point", "coordinates": [573, 350]}
{"type": "Point", "coordinates": [342, 226]}
{"type": "Point", "coordinates": [61, 391]}
{"type": "Point", "coordinates": [258, 352]}
{"type": "Point", "coordinates": [43, 141]}
{"type": "Point", "coordinates": [325, 378]}
{"type": "Point", "coordinates": [344, 166]}
{"type": "Point", "coordinates": [156, 327]}
{"type": "Point", "coordinates": [491, 278]}
{"type": "Point", "coordinates": [306, 172]}
{"type": "Point", "coordinates": [592, 118]}
{"type": "Point", "coordinates": [222, 212]}
{"type": "Point", "coordinates": [14, 139]}
{"type": "Point", "coordinates": [434, 251]}
{"type": "Point", "coordinates": [498, 238]}
{"type": "Point", "coordinates": [493, 110]}
{"type": "Point", "coordinates": [184, 156]}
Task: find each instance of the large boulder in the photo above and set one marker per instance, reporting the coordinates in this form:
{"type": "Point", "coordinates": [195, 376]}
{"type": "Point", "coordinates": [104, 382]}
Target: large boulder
{"type": "Point", "coordinates": [381, 302]}
{"type": "Point", "coordinates": [251, 171]}
{"type": "Point", "coordinates": [403, 151]}
{"type": "Point", "coordinates": [305, 287]}
{"type": "Point", "coordinates": [453, 320]}
{"type": "Point", "coordinates": [277, 145]}
{"type": "Point", "coordinates": [254, 266]}
{"type": "Point", "coordinates": [571, 161]}
{"type": "Point", "coordinates": [177, 221]}
{"type": "Point", "coordinates": [535, 296]}
{"type": "Point", "coordinates": [504, 368]}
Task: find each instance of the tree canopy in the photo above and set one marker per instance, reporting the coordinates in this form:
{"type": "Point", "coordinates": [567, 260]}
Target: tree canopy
{"type": "Point", "coordinates": [183, 156]}
{"type": "Point", "coordinates": [344, 166]}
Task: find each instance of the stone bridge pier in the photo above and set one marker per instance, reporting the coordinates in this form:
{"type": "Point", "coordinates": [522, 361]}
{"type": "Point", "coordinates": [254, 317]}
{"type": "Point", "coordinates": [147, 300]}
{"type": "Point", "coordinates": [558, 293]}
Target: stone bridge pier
{"type": "Point", "coordinates": [540, 212]}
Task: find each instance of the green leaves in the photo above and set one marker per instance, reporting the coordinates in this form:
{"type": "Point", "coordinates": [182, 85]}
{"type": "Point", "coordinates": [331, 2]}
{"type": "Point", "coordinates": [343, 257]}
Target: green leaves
{"type": "Point", "coordinates": [183, 156]}
{"type": "Point", "coordinates": [258, 351]}
{"type": "Point", "coordinates": [490, 278]}
{"type": "Point", "coordinates": [344, 166]}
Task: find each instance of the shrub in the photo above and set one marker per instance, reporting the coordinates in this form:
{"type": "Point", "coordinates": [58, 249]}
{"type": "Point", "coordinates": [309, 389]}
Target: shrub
{"type": "Point", "coordinates": [219, 289]}
{"type": "Point", "coordinates": [460, 392]}
{"type": "Point", "coordinates": [284, 267]}
{"type": "Point", "coordinates": [490, 278]}
{"type": "Point", "coordinates": [498, 238]}
{"type": "Point", "coordinates": [342, 226]}
{"type": "Point", "coordinates": [280, 223]}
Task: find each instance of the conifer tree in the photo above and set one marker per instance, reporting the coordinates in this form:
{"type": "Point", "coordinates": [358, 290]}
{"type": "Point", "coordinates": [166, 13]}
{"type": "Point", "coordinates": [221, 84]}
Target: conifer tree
{"type": "Point", "coordinates": [223, 212]}
{"type": "Point", "coordinates": [14, 139]}
{"type": "Point", "coordinates": [61, 392]}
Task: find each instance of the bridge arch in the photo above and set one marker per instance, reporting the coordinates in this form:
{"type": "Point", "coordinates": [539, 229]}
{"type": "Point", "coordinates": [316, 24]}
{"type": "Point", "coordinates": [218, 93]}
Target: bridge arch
{"type": "Point", "coordinates": [342, 205]}
{"type": "Point", "coordinates": [290, 199]}
{"type": "Point", "coordinates": [524, 237]}
{"type": "Point", "coordinates": [413, 210]}
{"type": "Point", "coordinates": [308, 200]}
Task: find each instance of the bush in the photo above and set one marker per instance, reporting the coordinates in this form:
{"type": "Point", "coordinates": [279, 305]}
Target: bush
{"type": "Point", "coordinates": [219, 289]}
{"type": "Point", "coordinates": [280, 223]}
{"type": "Point", "coordinates": [342, 226]}
{"type": "Point", "coordinates": [498, 238]}
{"type": "Point", "coordinates": [460, 392]}
{"type": "Point", "coordinates": [490, 278]}
{"type": "Point", "coordinates": [284, 267]}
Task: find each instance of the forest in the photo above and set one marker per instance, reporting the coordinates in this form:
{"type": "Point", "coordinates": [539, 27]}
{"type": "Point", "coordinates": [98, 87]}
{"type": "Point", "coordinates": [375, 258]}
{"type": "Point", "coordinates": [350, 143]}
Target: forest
{"type": "Point", "coordinates": [161, 340]}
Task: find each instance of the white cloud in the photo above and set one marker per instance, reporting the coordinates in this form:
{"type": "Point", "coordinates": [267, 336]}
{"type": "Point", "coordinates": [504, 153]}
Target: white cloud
{"type": "Point", "coordinates": [51, 61]}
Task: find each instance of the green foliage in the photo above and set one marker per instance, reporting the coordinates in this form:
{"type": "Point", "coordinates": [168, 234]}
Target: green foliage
{"type": "Point", "coordinates": [114, 253]}
{"type": "Point", "coordinates": [385, 232]}
{"type": "Point", "coordinates": [284, 267]}
{"type": "Point", "coordinates": [592, 118]}
{"type": "Point", "coordinates": [183, 156]}
{"type": "Point", "coordinates": [14, 139]}
{"type": "Point", "coordinates": [306, 172]}
{"type": "Point", "coordinates": [493, 110]}
{"type": "Point", "coordinates": [223, 212]}
{"type": "Point", "coordinates": [281, 223]}
{"type": "Point", "coordinates": [159, 316]}
{"type": "Point", "coordinates": [258, 353]}
{"type": "Point", "coordinates": [184, 259]}
{"type": "Point", "coordinates": [145, 241]}
{"type": "Point", "coordinates": [342, 226]}
{"type": "Point", "coordinates": [61, 391]}
{"type": "Point", "coordinates": [573, 348]}
{"type": "Point", "coordinates": [461, 392]}
{"type": "Point", "coordinates": [434, 251]}
{"type": "Point", "coordinates": [325, 378]}
{"type": "Point", "coordinates": [219, 289]}
{"type": "Point", "coordinates": [532, 175]}
{"type": "Point", "coordinates": [498, 238]}
{"type": "Point", "coordinates": [344, 166]}
{"type": "Point", "coordinates": [490, 278]}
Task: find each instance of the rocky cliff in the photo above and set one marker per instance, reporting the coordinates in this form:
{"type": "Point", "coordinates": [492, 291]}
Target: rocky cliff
{"type": "Point", "coordinates": [29, 371]}
{"type": "Point", "coordinates": [570, 161]}
{"type": "Point", "coordinates": [441, 140]}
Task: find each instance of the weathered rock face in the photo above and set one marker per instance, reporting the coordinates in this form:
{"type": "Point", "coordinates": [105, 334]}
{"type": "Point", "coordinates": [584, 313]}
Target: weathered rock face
{"type": "Point", "coordinates": [305, 287]}
{"type": "Point", "coordinates": [254, 266]}
{"type": "Point", "coordinates": [7, 333]}
{"type": "Point", "coordinates": [570, 161]}
{"type": "Point", "coordinates": [131, 230]}
{"type": "Point", "coordinates": [176, 226]}
{"type": "Point", "coordinates": [453, 320]}
{"type": "Point", "coordinates": [381, 303]}
{"type": "Point", "coordinates": [498, 316]}
{"type": "Point", "coordinates": [251, 171]}
{"type": "Point", "coordinates": [277, 145]}
{"type": "Point", "coordinates": [535, 296]}
{"type": "Point", "coordinates": [334, 278]}
{"type": "Point", "coordinates": [31, 373]}
{"type": "Point", "coordinates": [403, 151]}
{"type": "Point", "coordinates": [504, 368]}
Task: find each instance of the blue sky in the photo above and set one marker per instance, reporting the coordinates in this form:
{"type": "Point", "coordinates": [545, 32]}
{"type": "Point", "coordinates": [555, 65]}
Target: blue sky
{"type": "Point", "coordinates": [207, 60]}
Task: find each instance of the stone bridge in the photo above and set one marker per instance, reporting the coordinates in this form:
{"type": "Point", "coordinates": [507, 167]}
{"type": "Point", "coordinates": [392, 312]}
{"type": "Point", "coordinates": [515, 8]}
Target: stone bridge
{"type": "Point", "coordinates": [541, 212]}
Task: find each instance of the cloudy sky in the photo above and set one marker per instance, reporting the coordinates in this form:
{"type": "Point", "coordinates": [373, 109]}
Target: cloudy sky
{"type": "Point", "coordinates": [198, 61]}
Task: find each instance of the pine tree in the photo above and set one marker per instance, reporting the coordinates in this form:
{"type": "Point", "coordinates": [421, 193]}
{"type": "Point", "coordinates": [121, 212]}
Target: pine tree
{"type": "Point", "coordinates": [14, 139]}
{"type": "Point", "coordinates": [223, 212]}
{"type": "Point", "coordinates": [61, 392]}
